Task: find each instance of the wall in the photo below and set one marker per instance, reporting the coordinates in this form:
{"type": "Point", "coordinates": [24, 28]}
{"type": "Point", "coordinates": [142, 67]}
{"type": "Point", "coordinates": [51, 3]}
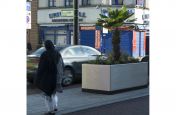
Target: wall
{"type": "Point", "coordinates": [91, 15]}
{"type": "Point", "coordinates": [43, 3]}
{"type": "Point", "coordinates": [95, 2]}
{"type": "Point", "coordinates": [60, 3]}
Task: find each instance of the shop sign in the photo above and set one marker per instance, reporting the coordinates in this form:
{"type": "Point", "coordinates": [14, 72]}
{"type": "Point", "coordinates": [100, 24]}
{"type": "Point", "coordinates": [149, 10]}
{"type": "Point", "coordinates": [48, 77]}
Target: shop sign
{"type": "Point", "coordinates": [105, 30]}
{"type": "Point", "coordinates": [28, 20]}
{"type": "Point", "coordinates": [54, 15]}
{"type": "Point", "coordinates": [65, 20]}
{"type": "Point", "coordinates": [130, 11]}
{"type": "Point", "coordinates": [87, 28]}
{"type": "Point", "coordinates": [65, 13]}
{"type": "Point", "coordinates": [145, 18]}
{"type": "Point", "coordinates": [28, 15]}
{"type": "Point", "coordinates": [28, 6]}
{"type": "Point", "coordinates": [104, 11]}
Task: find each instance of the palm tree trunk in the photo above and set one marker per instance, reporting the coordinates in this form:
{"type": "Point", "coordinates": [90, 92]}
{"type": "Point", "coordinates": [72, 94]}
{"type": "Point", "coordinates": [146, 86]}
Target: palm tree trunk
{"type": "Point", "coordinates": [116, 45]}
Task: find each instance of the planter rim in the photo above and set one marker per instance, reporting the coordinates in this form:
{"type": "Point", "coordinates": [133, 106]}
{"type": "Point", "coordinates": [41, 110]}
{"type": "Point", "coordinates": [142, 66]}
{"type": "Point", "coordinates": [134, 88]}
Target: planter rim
{"type": "Point", "coordinates": [114, 64]}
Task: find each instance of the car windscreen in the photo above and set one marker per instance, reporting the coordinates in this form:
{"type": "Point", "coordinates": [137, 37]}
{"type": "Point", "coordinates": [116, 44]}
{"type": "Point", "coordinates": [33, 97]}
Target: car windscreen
{"type": "Point", "coordinates": [38, 52]}
{"type": "Point", "coordinates": [59, 48]}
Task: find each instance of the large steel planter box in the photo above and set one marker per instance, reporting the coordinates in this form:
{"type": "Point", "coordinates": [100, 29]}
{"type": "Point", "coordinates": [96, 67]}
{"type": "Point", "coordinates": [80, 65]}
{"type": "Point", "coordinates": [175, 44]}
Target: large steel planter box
{"type": "Point", "coordinates": [113, 78]}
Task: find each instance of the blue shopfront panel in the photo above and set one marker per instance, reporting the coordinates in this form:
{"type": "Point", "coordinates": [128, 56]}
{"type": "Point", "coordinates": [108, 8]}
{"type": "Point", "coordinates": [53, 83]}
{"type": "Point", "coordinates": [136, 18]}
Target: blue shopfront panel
{"type": "Point", "coordinates": [106, 43]}
{"type": "Point", "coordinates": [126, 42]}
{"type": "Point", "coordinates": [87, 37]}
{"type": "Point", "coordinates": [132, 43]}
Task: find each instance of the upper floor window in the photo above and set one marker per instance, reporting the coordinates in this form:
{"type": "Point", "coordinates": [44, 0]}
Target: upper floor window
{"type": "Point", "coordinates": [85, 2]}
{"type": "Point", "coordinates": [51, 3]}
{"type": "Point", "coordinates": [117, 2]}
{"type": "Point", "coordinates": [140, 2]}
{"type": "Point", "coordinates": [68, 3]}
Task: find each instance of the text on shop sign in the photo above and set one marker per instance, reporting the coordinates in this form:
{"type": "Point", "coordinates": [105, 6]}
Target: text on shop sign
{"type": "Point", "coordinates": [66, 14]}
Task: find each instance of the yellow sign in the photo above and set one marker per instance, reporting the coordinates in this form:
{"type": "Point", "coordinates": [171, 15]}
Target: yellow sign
{"type": "Point", "coordinates": [67, 13]}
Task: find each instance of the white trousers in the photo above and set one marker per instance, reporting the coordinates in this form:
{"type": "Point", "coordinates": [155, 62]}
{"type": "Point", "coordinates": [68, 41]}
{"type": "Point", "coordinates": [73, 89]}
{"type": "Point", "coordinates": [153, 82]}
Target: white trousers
{"type": "Point", "coordinates": [51, 102]}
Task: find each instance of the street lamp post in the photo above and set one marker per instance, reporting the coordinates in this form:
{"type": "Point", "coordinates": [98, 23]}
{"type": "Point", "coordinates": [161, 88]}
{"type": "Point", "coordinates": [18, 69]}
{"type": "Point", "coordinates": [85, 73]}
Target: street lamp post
{"type": "Point", "coordinates": [75, 23]}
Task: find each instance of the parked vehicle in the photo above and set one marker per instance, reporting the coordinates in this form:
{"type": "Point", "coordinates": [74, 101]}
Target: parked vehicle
{"type": "Point", "coordinates": [73, 57]}
{"type": "Point", "coordinates": [145, 59]}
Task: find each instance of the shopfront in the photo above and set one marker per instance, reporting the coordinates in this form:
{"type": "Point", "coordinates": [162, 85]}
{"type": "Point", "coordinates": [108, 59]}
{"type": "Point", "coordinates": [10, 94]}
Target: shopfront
{"type": "Point", "coordinates": [57, 24]}
{"type": "Point", "coordinates": [59, 35]}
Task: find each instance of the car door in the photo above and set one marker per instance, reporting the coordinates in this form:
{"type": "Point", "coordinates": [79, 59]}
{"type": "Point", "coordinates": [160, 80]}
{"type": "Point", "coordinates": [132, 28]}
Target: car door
{"type": "Point", "coordinates": [74, 57]}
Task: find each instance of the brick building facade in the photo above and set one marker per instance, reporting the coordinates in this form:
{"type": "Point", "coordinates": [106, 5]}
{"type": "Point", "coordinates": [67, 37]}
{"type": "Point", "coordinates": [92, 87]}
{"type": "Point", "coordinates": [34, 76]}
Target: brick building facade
{"type": "Point", "coordinates": [32, 34]}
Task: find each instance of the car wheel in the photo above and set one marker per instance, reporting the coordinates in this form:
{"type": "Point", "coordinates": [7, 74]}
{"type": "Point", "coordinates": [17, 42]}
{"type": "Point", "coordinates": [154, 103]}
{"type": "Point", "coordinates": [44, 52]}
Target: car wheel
{"type": "Point", "coordinates": [68, 77]}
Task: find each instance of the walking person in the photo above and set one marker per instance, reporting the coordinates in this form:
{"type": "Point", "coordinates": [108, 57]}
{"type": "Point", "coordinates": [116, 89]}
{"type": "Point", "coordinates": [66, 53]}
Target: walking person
{"type": "Point", "coordinates": [49, 76]}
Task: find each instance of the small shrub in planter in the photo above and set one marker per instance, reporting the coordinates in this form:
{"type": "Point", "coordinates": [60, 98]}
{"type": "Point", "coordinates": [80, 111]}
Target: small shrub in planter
{"type": "Point", "coordinates": [124, 58]}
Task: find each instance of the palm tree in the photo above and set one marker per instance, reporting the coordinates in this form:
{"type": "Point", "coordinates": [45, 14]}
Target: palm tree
{"type": "Point", "coordinates": [113, 22]}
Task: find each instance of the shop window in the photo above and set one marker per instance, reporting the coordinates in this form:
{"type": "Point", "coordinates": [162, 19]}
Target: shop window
{"type": "Point", "coordinates": [50, 37]}
{"type": "Point", "coordinates": [49, 32]}
{"type": "Point", "coordinates": [85, 2]}
{"type": "Point", "coordinates": [61, 40]}
{"type": "Point", "coordinates": [117, 2]}
{"type": "Point", "coordinates": [140, 3]}
{"type": "Point", "coordinates": [61, 31]}
{"type": "Point", "coordinates": [51, 3]}
{"type": "Point", "coordinates": [68, 3]}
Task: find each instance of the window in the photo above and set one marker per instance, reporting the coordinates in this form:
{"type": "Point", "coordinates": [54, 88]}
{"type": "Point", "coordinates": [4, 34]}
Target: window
{"type": "Point", "coordinates": [140, 3]}
{"type": "Point", "coordinates": [68, 3]}
{"type": "Point", "coordinates": [114, 2]}
{"type": "Point", "coordinates": [74, 52]}
{"type": "Point", "coordinates": [117, 2]}
{"type": "Point", "coordinates": [78, 51]}
{"type": "Point", "coordinates": [85, 2]}
{"type": "Point", "coordinates": [39, 51]}
{"type": "Point", "coordinates": [49, 32]}
{"type": "Point", "coordinates": [51, 3]}
{"type": "Point", "coordinates": [89, 52]}
{"type": "Point", "coordinates": [68, 53]}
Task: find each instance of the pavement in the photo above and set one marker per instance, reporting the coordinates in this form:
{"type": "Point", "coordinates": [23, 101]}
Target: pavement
{"type": "Point", "coordinates": [73, 99]}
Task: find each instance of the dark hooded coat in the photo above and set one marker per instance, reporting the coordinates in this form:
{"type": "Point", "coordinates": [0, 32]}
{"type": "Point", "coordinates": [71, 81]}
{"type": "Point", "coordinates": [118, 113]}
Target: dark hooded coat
{"type": "Point", "coordinates": [47, 69]}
